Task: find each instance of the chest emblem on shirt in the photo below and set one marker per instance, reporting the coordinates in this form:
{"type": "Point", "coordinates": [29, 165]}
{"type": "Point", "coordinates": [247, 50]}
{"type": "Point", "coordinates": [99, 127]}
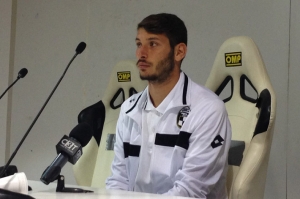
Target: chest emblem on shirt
{"type": "Point", "coordinates": [182, 114]}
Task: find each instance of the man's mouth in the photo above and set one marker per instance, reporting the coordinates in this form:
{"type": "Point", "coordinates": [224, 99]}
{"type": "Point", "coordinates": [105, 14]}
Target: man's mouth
{"type": "Point", "coordinates": [143, 64]}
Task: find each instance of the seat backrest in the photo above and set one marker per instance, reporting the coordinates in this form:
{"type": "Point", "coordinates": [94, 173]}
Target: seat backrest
{"type": "Point", "coordinates": [94, 165]}
{"type": "Point", "coordinates": [251, 105]}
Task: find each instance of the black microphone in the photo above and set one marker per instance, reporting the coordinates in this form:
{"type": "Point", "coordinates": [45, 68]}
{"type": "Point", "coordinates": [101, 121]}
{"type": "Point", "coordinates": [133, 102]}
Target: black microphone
{"type": "Point", "coordinates": [22, 73]}
{"type": "Point", "coordinates": [80, 48]}
{"type": "Point", "coordinates": [68, 149]}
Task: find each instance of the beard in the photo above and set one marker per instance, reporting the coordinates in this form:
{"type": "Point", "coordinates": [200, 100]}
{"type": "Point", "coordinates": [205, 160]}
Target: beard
{"type": "Point", "coordinates": [164, 69]}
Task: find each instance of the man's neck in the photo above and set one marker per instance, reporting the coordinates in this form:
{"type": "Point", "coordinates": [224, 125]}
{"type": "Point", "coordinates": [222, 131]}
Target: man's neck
{"type": "Point", "coordinates": [159, 91]}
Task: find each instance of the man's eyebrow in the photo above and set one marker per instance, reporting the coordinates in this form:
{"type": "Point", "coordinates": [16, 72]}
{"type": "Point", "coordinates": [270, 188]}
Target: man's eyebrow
{"type": "Point", "coordinates": [150, 39]}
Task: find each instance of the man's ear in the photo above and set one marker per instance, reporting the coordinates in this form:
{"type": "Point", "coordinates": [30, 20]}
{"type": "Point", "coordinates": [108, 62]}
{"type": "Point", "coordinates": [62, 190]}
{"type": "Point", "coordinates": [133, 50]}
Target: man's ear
{"type": "Point", "coordinates": [180, 51]}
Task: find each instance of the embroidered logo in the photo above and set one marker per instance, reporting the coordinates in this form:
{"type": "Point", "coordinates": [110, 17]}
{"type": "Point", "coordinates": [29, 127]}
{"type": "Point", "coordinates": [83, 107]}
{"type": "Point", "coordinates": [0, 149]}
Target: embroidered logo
{"type": "Point", "coordinates": [183, 113]}
{"type": "Point", "coordinates": [218, 141]}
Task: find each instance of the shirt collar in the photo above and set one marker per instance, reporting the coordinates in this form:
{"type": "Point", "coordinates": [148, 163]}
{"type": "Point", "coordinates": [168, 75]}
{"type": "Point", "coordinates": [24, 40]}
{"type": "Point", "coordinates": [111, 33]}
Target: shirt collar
{"type": "Point", "coordinates": [162, 107]}
{"type": "Point", "coordinates": [181, 98]}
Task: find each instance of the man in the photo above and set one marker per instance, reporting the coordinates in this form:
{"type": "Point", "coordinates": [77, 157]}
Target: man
{"type": "Point", "coordinates": [172, 138]}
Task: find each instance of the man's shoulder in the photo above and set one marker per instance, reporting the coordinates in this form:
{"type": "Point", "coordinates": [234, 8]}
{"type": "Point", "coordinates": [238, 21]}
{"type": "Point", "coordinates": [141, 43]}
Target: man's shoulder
{"type": "Point", "coordinates": [132, 100]}
{"type": "Point", "coordinates": [200, 93]}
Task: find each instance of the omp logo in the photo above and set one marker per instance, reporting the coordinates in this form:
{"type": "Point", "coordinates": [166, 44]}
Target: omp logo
{"type": "Point", "coordinates": [233, 59]}
{"type": "Point", "coordinates": [69, 144]}
{"type": "Point", "coordinates": [124, 76]}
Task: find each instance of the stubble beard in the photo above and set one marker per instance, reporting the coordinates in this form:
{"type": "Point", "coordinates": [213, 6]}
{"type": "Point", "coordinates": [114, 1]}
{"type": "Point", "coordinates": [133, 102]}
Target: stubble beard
{"type": "Point", "coordinates": [164, 69]}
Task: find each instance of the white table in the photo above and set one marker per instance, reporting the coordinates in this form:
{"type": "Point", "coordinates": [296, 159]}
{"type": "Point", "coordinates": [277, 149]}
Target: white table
{"type": "Point", "coordinates": [42, 191]}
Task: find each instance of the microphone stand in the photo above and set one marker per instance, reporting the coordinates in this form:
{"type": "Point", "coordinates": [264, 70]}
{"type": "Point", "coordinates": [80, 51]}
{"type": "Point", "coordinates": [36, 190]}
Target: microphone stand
{"type": "Point", "coordinates": [61, 187]}
{"type": "Point", "coordinates": [9, 87]}
{"type": "Point", "coordinates": [36, 118]}
{"type": "Point", "coordinates": [6, 194]}
{"type": "Point", "coordinates": [22, 73]}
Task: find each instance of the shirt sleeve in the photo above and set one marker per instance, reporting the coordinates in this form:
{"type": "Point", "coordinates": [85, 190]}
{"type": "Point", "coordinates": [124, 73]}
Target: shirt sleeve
{"type": "Point", "coordinates": [204, 167]}
{"type": "Point", "coordinates": [119, 177]}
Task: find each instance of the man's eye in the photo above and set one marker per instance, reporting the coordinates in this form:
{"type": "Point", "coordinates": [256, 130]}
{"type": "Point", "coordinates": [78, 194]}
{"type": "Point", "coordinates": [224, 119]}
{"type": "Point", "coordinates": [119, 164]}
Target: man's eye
{"type": "Point", "coordinates": [153, 44]}
{"type": "Point", "coordinates": [138, 44]}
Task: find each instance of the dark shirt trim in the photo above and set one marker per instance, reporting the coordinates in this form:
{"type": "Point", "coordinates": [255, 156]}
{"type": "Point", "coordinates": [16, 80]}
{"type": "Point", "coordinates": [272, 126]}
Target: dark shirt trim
{"type": "Point", "coordinates": [181, 140]}
{"type": "Point", "coordinates": [131, 150]}
{"type": "Point", "coordinates": [134, 104]}
{"type": "Point", "coordinates": [184, 89]}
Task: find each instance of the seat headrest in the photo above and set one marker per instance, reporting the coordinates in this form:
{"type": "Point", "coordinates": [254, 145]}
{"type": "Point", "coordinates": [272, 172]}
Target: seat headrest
{"type": "Point", "coordinates": [239, 61]}
{"type": "Point", "coordinates": [124, 81]}
{"type": "Point", "coordinates": [239, 58]}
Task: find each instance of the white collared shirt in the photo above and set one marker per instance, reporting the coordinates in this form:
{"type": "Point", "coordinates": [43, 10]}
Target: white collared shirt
{"type": "Point", "coordinates": [188, 149]}
{"type": "Point", "coordinates": [150, 119]}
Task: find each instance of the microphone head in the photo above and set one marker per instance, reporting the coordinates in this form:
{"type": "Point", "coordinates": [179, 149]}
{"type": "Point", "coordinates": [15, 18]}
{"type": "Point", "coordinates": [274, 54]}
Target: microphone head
{"type": "Point", "coordinates": [22, 73]}
{"type": "Point", "coordinates": [82, 133]}
{"type": "Point", "coordinates": [80, 48]}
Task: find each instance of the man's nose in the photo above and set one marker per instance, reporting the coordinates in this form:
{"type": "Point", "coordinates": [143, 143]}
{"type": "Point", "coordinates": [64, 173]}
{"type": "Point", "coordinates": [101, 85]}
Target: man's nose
{"type": "Point", "coordinates": [142, 52]}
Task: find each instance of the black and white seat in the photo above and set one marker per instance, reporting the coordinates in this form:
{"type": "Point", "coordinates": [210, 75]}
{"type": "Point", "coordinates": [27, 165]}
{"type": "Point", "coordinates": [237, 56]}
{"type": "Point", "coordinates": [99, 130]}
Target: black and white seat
{"type": "Point", "coordinates": [240, 78]}
{"type": "Point", "coordinates": [94, 166]}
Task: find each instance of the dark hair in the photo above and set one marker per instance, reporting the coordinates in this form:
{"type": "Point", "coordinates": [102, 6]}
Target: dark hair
{"type": "Point", "coordinates": [169, 24]}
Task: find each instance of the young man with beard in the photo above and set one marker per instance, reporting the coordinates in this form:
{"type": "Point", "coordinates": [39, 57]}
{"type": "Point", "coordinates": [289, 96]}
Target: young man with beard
{"type": "Point", "coordinates": [173, 138]}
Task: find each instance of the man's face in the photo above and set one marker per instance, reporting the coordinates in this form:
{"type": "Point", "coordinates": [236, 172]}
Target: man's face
{"type": "Point", "coordinates": [155, 56]}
